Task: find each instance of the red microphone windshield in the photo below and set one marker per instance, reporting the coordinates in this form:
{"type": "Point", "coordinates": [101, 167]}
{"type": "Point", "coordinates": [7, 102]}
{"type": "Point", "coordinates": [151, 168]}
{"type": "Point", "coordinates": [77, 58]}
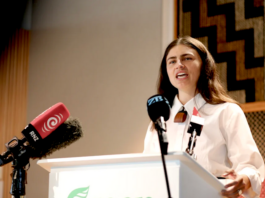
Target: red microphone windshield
{"type": "Point", "coordinates": [50, 120]}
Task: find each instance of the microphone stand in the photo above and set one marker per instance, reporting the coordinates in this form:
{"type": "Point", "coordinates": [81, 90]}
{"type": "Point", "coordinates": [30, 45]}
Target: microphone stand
{"type": "Point", "coordinates": [19, 154]}
{"type": "Point", "coordinates": [192, 144]}
{"type": "Point", "coordinates": [160, 126]}
{"type": "Point", "coordinates": [195, 130]}
{"type": "Point", "coordinates": [19, 179]}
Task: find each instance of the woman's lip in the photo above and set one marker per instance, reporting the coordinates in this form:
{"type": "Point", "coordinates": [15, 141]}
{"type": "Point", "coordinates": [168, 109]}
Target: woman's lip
{"type": "Point", "coordinates": [181, 78]}
{"type": "Point", "coordinates": [181, 72]}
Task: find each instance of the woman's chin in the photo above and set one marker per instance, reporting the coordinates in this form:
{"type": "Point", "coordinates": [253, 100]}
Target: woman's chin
{"type": "Point", "coordinates": [186, 89]}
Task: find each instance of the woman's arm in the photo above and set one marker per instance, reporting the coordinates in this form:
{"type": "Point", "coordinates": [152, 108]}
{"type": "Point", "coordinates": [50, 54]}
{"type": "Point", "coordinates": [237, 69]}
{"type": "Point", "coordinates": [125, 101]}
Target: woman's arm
{"type": "Point", "coordinates": [243, 153]}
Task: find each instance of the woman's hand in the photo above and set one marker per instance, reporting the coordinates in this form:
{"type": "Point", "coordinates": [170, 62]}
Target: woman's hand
{"type": "Point", "coordinates": [235, 188]}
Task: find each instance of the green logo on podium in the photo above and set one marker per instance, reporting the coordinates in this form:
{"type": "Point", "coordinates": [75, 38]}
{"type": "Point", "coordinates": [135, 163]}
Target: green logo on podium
{"type": "Point", "coordinates": [83, 192]}
{"type": "Point", "coordinates": [79, 192]}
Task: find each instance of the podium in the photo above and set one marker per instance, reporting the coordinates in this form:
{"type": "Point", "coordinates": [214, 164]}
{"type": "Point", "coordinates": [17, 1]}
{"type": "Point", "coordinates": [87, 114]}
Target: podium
{"type": "Point", "coordinates": [129, 176]}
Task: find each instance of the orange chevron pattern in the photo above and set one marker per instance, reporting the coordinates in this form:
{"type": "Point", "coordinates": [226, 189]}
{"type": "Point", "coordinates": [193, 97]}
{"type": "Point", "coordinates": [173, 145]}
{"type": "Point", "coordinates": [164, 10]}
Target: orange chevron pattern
{"type": "Point", "coordinates": [233, 28]}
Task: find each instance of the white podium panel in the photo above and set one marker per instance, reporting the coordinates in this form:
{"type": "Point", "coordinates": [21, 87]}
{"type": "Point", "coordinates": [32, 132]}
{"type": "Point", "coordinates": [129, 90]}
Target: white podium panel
{"type": "Point", "coordinates": [129, 176]}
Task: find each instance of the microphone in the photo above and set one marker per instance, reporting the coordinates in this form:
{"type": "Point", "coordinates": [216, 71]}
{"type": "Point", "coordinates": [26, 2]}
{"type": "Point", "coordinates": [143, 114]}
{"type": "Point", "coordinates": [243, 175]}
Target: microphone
{"type": "Point", "coordinates": [196, 122]}
{"type": "Point", "coordinates": [50, 131]}
{"type": "Point", "coordinates": [44, 124]}
{"type": "Point", "coordinates": [195, 128]}
{"type": "Point", "coordinates": [67, 133]}
{"type": "Point", "coordinates": [158, 110]}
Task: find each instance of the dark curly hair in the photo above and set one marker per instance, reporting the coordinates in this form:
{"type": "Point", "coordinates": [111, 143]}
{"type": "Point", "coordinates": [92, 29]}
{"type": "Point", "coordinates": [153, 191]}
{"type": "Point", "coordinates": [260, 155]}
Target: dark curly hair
{"type": "Point", "coordinates": [208, 85]}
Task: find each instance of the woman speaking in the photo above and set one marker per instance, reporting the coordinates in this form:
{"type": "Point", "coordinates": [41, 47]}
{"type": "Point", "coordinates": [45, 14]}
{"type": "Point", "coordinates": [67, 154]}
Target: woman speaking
{"type": "Point", "coordinates": [188, 79]}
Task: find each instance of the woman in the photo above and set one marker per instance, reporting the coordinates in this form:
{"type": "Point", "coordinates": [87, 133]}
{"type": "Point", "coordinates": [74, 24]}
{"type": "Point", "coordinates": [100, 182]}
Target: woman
{"type": "Point", "coordinates": [226, 148]}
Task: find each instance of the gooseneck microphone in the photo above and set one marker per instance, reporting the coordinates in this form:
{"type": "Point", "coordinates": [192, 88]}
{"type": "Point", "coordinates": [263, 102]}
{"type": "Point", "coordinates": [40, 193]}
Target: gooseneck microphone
{"type": "Point", "coordinates": [159, 111]}
{"type": "Point", "coordinates": [50, 131]}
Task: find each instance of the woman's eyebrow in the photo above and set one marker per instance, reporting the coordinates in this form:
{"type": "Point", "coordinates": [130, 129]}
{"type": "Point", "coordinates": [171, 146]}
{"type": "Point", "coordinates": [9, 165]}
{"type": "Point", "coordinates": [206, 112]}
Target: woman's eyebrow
{"type": "Point", "coordinates": [172, 57]}
{"type": "Point", "coordinates": [186, 55]}
{"type": "Point", "coordinates": [182, 55]}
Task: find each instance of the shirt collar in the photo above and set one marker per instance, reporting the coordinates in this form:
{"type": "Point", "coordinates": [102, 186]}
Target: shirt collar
{"type": "Point", "coordinates": [197, 102]}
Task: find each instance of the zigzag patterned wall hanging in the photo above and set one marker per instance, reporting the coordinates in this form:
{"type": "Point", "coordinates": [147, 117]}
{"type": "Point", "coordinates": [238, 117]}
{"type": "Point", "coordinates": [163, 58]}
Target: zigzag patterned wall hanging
{"type": "Point", "coordinates": [233, 31]}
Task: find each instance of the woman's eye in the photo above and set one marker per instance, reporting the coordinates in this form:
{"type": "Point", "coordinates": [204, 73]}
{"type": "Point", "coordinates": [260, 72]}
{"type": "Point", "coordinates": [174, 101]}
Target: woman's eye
{"type": "Point", "coordinates": [187, 58]}
{"type": "Point", "coordinates": [172, 62]}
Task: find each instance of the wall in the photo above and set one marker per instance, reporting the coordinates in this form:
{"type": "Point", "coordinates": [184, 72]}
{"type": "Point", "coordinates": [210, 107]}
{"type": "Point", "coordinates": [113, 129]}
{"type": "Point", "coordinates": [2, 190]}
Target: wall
{"type": "Point", "coordinates": [101, 59]}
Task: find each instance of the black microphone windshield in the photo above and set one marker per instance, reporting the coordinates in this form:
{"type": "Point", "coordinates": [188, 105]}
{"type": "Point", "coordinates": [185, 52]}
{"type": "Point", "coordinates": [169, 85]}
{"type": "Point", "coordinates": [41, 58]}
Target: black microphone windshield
{"type": "Point", "coordinates": [67, 133]}
{"type": "Point", "coordinates": [158, 106]}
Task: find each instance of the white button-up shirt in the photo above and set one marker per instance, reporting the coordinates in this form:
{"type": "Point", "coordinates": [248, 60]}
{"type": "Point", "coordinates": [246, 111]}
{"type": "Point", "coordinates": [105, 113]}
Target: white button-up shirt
{"type": "Point", "coordinates": [225, 141]}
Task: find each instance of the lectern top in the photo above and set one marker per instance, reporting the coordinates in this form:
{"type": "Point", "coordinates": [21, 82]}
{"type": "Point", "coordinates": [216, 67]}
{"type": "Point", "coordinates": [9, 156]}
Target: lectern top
{"type": "Point", "coordinates": [49, 164]}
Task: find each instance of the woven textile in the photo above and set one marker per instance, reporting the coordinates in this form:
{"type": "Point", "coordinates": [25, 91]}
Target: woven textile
{"type": "Point", "coordinates": [233, 31]}
{"type": "Point", "coordinates": [256, 121]}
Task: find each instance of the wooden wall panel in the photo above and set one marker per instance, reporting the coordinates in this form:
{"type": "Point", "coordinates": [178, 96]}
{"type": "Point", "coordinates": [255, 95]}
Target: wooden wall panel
{"type": "Point", "coordinates": [253, 106]}
{"type": "Point", "coordinates": [13, 94]}
{"type": "Point", "coordinates": [176, 19]}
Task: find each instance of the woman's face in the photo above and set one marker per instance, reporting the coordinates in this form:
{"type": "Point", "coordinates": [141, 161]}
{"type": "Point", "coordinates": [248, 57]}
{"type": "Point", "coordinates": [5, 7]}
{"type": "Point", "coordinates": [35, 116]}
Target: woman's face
{"type": "Point", "coordinates": [183, 68]}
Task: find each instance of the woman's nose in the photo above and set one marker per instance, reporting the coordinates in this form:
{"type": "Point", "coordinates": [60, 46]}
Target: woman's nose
{"type": "Point", "coordinates": [179, 65]}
